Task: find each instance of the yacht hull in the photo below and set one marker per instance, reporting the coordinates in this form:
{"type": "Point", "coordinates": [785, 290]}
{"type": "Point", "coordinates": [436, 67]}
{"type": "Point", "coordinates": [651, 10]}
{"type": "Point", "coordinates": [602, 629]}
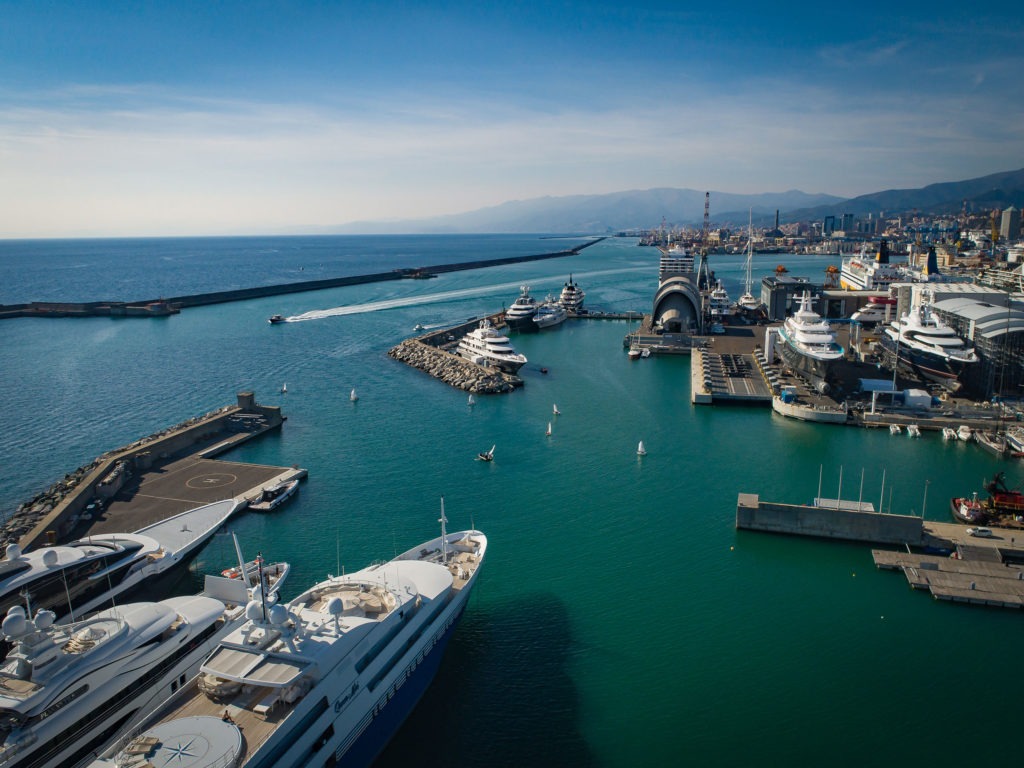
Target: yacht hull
{"type": "Point", "coordinates": [521, 324]}
{"type": "Point", "coordinates": [944, 372]}
{"type": "Point", "coordinates": [819, 372]}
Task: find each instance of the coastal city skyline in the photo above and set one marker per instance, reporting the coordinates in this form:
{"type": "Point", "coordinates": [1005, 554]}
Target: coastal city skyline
{"type": "Point", "coordinates": [232, 119]}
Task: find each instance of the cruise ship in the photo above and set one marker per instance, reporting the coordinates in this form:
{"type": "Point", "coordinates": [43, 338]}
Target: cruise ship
{"type": "Point", "coordinates": [860, 273]}
{"type": "Point", "coordinates": [485, 346]}
{"type": "Point", "coordinates": [808, 344]}
{"type": "Point", "coordinates": [326, 679]}
{"type": "Point", "coordinates": [66, 691]}
{"type": "Point", "coordinates": [519, 316]}
{"type": "Point", "coordinates": [572, 297]}
{"type": "Point", "coordinates": [922, 344]}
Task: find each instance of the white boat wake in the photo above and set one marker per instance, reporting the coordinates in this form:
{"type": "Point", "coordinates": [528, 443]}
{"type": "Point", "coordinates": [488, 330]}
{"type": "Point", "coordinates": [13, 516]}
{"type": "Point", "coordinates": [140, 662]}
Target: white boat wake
{"type": "Point", "coordinates": [433, 298]}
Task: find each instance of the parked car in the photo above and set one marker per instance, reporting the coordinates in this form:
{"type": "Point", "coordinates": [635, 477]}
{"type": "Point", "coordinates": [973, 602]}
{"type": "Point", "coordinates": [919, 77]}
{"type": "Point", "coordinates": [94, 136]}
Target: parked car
{"type": "Point", "coordinates": [984, 533]}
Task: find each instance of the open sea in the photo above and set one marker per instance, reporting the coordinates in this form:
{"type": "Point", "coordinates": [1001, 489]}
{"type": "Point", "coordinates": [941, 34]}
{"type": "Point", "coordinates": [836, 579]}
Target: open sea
{"type": "Point", "coordinates": [621, 620]}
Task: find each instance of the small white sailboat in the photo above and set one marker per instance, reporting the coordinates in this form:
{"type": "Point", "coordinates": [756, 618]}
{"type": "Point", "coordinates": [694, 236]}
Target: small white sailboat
{"type": "Point", "coordinates": [948, 433]}
{"type": "Point", "coordinates": [486, 455]}
{"type": "Point", "coordinates": [913, 430]}
{"type": "Point", "coordinates": [471, 401]}
{"type": "Point", "coordinates": [895, 429]}
{"type": "Point", "coordinates": [352, 395]}
{"type": "Point", "coordinates": [964, 432]}
{"type": "Point", "coordinates": [554, 410]}
{"type": "Point", "coordinates": [640, 450]}
{"type": "Point", "coordinates": [548, 433]}
{"type": "Point", "coordinates": [284, 388]}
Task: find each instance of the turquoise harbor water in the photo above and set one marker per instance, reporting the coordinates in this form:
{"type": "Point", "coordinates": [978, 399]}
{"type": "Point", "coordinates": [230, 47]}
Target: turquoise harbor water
{"type": "Point", "coordinates": [620, 620]}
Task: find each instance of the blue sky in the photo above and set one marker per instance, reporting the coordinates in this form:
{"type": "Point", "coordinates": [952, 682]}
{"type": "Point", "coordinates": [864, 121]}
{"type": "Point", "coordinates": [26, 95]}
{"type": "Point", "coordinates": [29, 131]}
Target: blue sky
{"type": "Point", "coordinates": [152, 118]}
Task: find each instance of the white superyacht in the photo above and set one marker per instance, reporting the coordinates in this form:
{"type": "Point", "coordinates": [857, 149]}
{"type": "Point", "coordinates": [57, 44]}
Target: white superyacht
{"type": "Point", "coordinates": [326, 679]}
{"type": "Point", "coordinates": [485, 346]}
{"type": "Point", "coordinates": [67, 690]}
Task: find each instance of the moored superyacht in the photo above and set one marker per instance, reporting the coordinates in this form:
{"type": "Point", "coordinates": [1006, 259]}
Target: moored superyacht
{"type": "Point", "coordinates": [485, 346]}
{"type": "Point", "coordinates": [572, 297]}
{"type": "Point", "coordinates": [808, 344]}
{"type": "Point", "coordinates": [67, 690]}
{"type": "Point", "coordinates": [62, 579]}
{"type": "Point", "coordinates": [326, 679]}
{"type": "Point", "coordinates": [519, 317]}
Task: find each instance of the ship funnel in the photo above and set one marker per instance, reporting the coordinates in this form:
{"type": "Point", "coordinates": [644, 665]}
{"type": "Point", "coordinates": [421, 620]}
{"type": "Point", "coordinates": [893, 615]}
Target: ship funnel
{"type": "Point", "coordinates": [931, 266]}
{"type": "Point", "coordinates": [883, 252]}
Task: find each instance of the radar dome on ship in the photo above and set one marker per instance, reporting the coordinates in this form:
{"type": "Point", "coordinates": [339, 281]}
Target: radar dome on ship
{"type": "Point", "coordinates": [13, 551]}
{"type": "Point", "coordinates": [50, 557]}
{"type": "Point", "coordinates": [253, 610]}
{"type": "Point", "coordinates": [15, 624]}
{"type": "Point", "coordinates": [278, 615]}
{"type": "Point", "coordinates": [45, 619]}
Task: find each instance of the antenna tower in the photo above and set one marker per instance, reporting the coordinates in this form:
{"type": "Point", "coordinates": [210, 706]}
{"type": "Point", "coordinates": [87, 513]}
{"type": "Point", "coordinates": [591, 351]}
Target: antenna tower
{"type": "Point", "coordinates": [707, 218]}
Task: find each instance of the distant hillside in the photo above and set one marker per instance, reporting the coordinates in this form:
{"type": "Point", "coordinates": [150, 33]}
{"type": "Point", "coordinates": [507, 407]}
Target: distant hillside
{"type": "Point", "coordinates": [596, 213]}
{"type": "Point", "coordinates": [995, 190]}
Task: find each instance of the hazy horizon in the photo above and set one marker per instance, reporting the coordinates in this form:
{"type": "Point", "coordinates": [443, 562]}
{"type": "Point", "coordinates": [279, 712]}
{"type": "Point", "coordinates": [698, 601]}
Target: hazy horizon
{"type": "Point", "coordinates": [238, 119]}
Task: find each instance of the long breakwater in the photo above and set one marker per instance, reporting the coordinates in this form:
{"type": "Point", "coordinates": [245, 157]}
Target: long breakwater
{"type": "Point", "coordinates": [163, 306]}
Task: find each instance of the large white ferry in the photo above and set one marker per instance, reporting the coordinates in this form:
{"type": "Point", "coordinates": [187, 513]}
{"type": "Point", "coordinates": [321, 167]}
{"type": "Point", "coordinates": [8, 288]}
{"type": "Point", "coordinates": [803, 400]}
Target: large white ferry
{"type": "Point", "coordinates": [809, 345]}
{"type": "Point", "coordinates": [519, 316]}
{"type": "Point", "coordinates": [485, 346]}
{"type": "Point", "coordinates": [67, 690]}
{"type": "Point", "coordinates": [921, 343]}
{"type": "Point", "coordinates": [859, 273]}
{"type": "Point", "coordinates": [326, 679]}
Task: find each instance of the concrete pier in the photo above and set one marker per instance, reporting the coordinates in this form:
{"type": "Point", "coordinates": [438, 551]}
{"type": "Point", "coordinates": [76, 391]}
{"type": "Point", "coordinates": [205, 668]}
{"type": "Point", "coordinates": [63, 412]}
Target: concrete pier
{"type": "Point", "coordinates": [117, 476]}
{"type": "Point", "coordinates": [828, 523]}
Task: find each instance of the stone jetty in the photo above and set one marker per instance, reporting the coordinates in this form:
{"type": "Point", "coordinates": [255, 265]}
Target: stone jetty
{"type": "Point", "coordinates": [454, 370]}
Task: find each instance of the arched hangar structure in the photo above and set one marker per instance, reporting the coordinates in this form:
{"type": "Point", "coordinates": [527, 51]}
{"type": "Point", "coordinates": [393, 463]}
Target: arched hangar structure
{"type": "Point", "coordinates": [677, 304]}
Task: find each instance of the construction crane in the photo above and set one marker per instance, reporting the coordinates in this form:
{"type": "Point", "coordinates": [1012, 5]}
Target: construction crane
{"type": "Point", "coordinates": [707, 218]}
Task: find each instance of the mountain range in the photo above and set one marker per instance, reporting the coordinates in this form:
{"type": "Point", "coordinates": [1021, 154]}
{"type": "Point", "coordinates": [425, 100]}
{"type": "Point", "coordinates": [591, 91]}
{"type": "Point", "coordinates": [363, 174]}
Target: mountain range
{"type": "Point", "coordinates": [647, 208]}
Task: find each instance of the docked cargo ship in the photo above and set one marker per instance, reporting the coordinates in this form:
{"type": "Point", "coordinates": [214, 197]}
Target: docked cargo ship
{"type": "Point", "coordinates": [808, 344]}
{"type": "Point", "coordinates": [326, 679]}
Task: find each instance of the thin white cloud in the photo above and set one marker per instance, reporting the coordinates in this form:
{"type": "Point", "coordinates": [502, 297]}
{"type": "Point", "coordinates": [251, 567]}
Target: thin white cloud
{"type": "Point", "coordinates": [123, 161]}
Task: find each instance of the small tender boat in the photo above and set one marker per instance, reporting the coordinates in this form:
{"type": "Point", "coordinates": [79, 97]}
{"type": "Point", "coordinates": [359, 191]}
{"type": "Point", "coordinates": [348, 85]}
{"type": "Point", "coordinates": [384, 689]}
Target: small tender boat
{"type": "Point", "coordinates": [913, 430]}
{"type": "Point", "coordinates": [274, 575]}
{"type": "Point", "coordinates": [419, 327]}
{"type": "Point", "coordinates": [274, 496]}
{"type": "Point", "coordinates": [634, 353]}
{"type": "Point", "coordinates": [645, 352]}
{"type": "Point", "coordinates": [548, 433]}
{"type": "Point", "coordinates": [352, 395]}
{"type": "Point", "coordinates": [894, 429]}
{"type": "Point", "coordinates": [275, 319]}
{"type": "Point", "coordinates": [948, 433]}
{"type": "Point", "coordinates": [486, 455]}
{"type": "Point", "coordinates": [640, 450]}
{"type": "Point", "coordinates": [964, 432]}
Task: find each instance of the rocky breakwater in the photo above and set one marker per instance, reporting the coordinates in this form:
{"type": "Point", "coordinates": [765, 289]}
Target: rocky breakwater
{"type": "Point", "coordinates": [454, 370]}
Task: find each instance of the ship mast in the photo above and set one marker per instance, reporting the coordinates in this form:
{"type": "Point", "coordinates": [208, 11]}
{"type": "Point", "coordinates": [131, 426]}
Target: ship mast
{"type": "Point", "coordinates": [444, 533]}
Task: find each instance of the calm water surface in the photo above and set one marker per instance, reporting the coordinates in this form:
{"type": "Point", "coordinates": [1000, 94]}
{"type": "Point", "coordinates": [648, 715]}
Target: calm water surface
{"type": "Point", "coordinates": [621, 620]}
